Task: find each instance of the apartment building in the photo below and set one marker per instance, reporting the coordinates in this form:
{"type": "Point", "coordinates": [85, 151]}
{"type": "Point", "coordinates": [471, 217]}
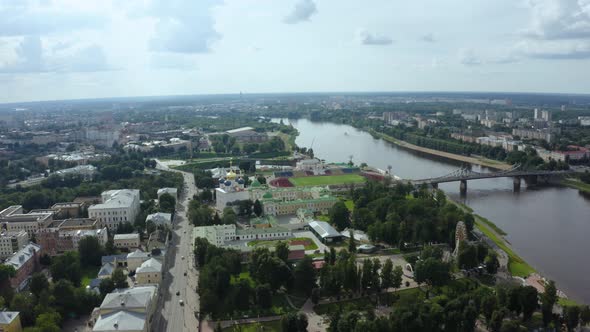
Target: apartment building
{"type": "Point", "coordinates": [118, 206]}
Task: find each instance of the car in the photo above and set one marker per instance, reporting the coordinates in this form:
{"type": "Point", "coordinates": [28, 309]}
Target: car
{"type": "Point", "coordinates": [185, 273]}
{"type": "Point", "coordinates": [181, 302]}
{"type": "Point", "coordinates": [177, 292]}
{"type": "Point", "coordinates": [182, 257]}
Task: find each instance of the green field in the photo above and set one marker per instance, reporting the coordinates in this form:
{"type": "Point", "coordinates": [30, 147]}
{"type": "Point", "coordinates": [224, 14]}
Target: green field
{"type": "Point", "coordinates": [324, 180]}
{"type": "Point", "coordinates": [89, 273]}
{"type": "Point", "coordinates": [271, 243]}
{"type": "Point", "coordinates": [274, 326]}
{"type": "Point", "coordinates": [576, 184]}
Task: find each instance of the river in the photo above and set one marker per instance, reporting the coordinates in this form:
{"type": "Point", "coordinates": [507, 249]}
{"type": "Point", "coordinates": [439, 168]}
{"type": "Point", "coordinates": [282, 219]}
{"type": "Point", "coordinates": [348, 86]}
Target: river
{"type": "Point", "coordinates": [546, 225]}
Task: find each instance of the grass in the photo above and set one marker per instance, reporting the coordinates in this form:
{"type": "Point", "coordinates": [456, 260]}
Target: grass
{"type": "Point", "coordinates": [491, 225]}
{"type": "Point", "coordinates": [577, 184]}
{"type": "Point", "coordinates": [89, 273]}
{"type": "Point", "coordinates": [562, 301]}
{"type": "Point", "coordinates": [349, 204]}
{"type": "Point", "coordinates": [274, 326]}
{"type": "Point", "coordinates": [324, 180]}
{"type": "Point", "coordinates": [516, 265]}
{"type": "Point", "coordinates": [271, 243]}
{"type": "Point", "coordinates": [361, 304]}
{"type": "Point", "coordinates": [323, 217]}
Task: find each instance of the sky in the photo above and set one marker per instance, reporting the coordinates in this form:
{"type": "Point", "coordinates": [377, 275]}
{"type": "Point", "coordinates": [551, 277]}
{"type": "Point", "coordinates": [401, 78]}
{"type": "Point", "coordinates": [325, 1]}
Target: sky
{"type": "Point", "coordinates": [71, 49]}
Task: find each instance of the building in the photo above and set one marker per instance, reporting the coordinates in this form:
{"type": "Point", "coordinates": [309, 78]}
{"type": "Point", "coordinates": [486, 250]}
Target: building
{"type": "Point", "coordinates": [324, 231]}
{"type": "Point", "coordinates": [11, 242]}
{"type": "Point", "coordinates": [247, 135]}
{"type": "Point", "coordinates": [230, 190]}
{"type": "Point", "coordinates": [10, 321]}
{"type": "Point", "coordinates": [67, 210]}
{"type": "Point", "coordinates": [127, 310]}
{"type": "Point", "coordinates": [150, 272]}
{"type": "Point", "coordinates": [584, 121]}
{"type": "Point", "coordinates": [86, 172]}
{"type": "Point", "coordinates": [127, 241]}
{"type": "Point", "coordinates": [25, 262]}
{"type": "Point", "coordinates": [160, 219]}
{"type": "Point", "coordinates": [171, 191]}
{"type": "Point", "coordinates": [136, 258]}
{"type": "Point", "coordinates": [106, 271]}
{"type": "Point", "coordinates": [223, 235]}
{"type": "Point", "coordinates": [541, 134]}
{"type": "Point", "coordinates": [64, 235]}
{"type": "Point", "coordinates": [13, 219]}
{"type": "Point", "coordinates": [118, 206]}
{"type": "Point", "coordinates": [574, 153]}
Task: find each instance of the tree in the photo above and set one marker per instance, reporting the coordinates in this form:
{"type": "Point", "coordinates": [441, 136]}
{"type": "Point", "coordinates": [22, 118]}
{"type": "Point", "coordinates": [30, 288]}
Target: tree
{"type": "Point", "coordinates": [264, 296]}
{"type": "Point", "coordinates": [257, 208]}
{"type": "Point", "coordinates": [119, 279]}
{"type": "Point", "coordinates": [48, 322]}
{"type": "Point", "coordinates": [367, 276]}
{"type": "Point", "coordinates": [23, 303]}
{"type": "Point", "coordinates": [65, 298]}
{"type": "Point", "coordinates": [387, 274]}
{"type": "Point", "coordinates": [528, 301]}
{"type": "Point", "coordinates": [67, 266]}
{"type": "Point", "coordinates": [511, 326]}
{"type": "Point", "coordinates": [6, 272]}
{"type": "Point", "coordinates": [548, 299]}
{"type": "Point", "coordinates": [245, 207]}
{"type": "Point", "coordinates": [315, 295]}
{"type": "Point", "coordinates": [339, 215]}
{"type": "Point", "coordinates": [38, 283]}
{"type": "Point", "coordinates": [571, 315]}
{"type": "Point", "coordinates": [294, 322]}
{"type": "Point", "coordinates": [585, 315]}
{"type": "Point", "coordinates": [282, 251]}
{"type": "Point", "coordinates": [489, 304]}
{"type": "Point", "coordinates": [351, 244]}
{"type": "Point", "coordinates": [167, 203]}
{"type": "Point", "coordinates": [243, 293]}
{"type": "Point", "coordinates": [467, 258]}
{"type": "Point", "coordinates": [229, 217]}
{"type": "Point", "coordinates": [396, 281]}
{"type": "Point", "coordinates": [106, 286]}
{"type": "Point", "coordinates": [90, 250]}
{"type": "Point", "coordinates": [305, 276]}
{"type": "Point", "coordinates": [432, 272]}
{"type": "Point", "coordinates": [217, 219]}
{"type": "Point", "coordinates": [491, 262]}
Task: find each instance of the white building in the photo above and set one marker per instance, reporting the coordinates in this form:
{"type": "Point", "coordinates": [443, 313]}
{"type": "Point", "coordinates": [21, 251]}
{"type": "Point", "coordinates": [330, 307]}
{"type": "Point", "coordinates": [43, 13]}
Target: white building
{"type": "Point", "coordinates": [230, 190]}
{"type": "Point", "coordinates": [127, 240]}
{"type": "Point", "coordinates": [100, 234]}
{"type": "Point", "coordinates": [11, 242]}
{"type": "Point", "coordinates": [171, 191]}
{"type": "Point", "coordinates": [222, 235]}
{"type": "Point", "coordinates": [118, 206]}
{"type": "Point", "coordinates": [216, 234]}
{"type": "Point", "coordinates": [13, 219]}
{"type": "Point", "coordinates": [86, 172]}
{"type": "Point", "coordinates": [160, 219]}
{"type": "Point", "coordinates": [136, 258]}
{"type": "Point", "coordinates": [150, 272]}
{"type": "Point", "coordinates": [127, 310]}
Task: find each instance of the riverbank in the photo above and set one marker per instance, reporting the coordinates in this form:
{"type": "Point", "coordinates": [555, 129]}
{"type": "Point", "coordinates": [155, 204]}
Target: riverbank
{"type": "Point", "coordinates": [576, 184]}
{"type": "Point", "coordinates": [495, 164]}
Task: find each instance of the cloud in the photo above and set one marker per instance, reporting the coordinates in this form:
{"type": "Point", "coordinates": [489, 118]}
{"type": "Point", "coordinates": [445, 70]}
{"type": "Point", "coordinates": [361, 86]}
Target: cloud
{"type": "Point", "coordinates": [367, 38]}
{"type": "Point", "coordinates": [554, 49]}
{"type": "Point", "coordinates": [21, 18]}
{"type": "Point", "coordinates": [429, 38]}
{"type": "Point", "coordinates": [183, 26]}
{"type": "Point", "coordinates": [468, 57]}
{"type": "Point", "coordinates": [559, 19]}
{"type": "Point", "coordinates": [302, 12]}
{"type": "Point", "coordinates": [31, 57]}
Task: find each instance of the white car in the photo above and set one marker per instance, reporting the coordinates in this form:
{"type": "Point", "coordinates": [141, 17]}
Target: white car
{"type": "Point", "coordinates": [181, 302]}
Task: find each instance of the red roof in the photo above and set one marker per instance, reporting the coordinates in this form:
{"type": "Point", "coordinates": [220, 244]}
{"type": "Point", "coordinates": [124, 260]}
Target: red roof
{"type": "Point", "coordinates": [318, 264]}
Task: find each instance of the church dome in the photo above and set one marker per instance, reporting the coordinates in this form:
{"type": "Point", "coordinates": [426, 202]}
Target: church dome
{"type": "Point", "coordinates": [267, 195]}
{"type": "Point", "coordinates": [227, 183]}
{"type": "Point", "coordinates": [231, 175]}
{"type": "Point", "coordinates": [255, 183]}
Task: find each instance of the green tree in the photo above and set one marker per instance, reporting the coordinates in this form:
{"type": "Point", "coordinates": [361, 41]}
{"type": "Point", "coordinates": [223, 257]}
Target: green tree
{"type": "Point", "coordinates": [548, 299]}
{"type": "Point", "coordinates": [305, 276]}
{"type": "Point", "coordinates": [528, 301]}
{"type": "Point", "coordinates": [282, 251]}
{"type": "Point", "coordinates": [106, 286]}
{"type": "Point", "coordinates": [339, 216]}
{"type": "Point", "coordinates": [67, 266]}
{"type": "Point", "coordinates": [38, 283]}
{"type": "Point", "coordinates": [257, 208]}
{"type": "Point", "coordinates": [243, 294]}
{"type": "Point", "coordinates": [571, 315]}
{"type": "Point", "coordinates": [167, 203]}
{"type": "Point", "coordinates": [65, 298]}
{"type": "Point", "coordinates": [119, 278]}
{"type": "Point", "coordinates": [432, 272]}
{"type": "Point", "coordinates": [387, 274]}
{"type": "Point", "coordinates": [90, 250]}
{"type": "Point", "coordinates": [585, 315]}
{"type": "Point", "coordinates": [396, 281]}
{"type": "Point", "coordinates": [229, 217]}
{"type": "Point", "coordinates": [24, 303]}
{"type": "Point", "coordinates": [511, 326]}
{"type": "Point", "coordinates": [491, 262]}
{"type": "Point", "coordinates": [467, 258]}
{"type": "Point", "coordinates": [294, 322]}
{"type": "Point", "coordinates": [48, 322]}
{"type": "Point", "coordinates": [264, 296]}
{"type": "Point", "coordinates": [315, 295]}
{"type": "Point", "coordinates": [351, 243]}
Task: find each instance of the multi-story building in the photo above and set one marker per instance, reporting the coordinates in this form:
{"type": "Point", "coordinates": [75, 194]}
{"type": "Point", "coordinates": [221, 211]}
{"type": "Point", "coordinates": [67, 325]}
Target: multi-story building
{"type": "Point", "coordinates": [171, 191]}
{"type": "Point", "coordinates": [223, 235]}
{"type": "Point", "coordinates": [542, 134]}
{"type": "Point", "coordinates": [136, 258]}
{"type": "Point", "coordinates": [118, 206]}
{"type": "Point", "coordinates": [127, 241]}
{"type": "Point", "coordinates": [150, 272]}
{"type": "Point", "coordinates": [160, 219]}
{"type": "Point", "coordinates": [25, 262]}
{"type": "Point", "coordinates": [274, 207]}
{"type": "Point", "coordinates": [128, 309]}
{"type": "Point", "coordinates": [10, 321]}
{"type": "Point", "coordinates": [63, 235]}
{"type": "Point", "coordinates": [86, 172]}
{"type": "Point", "coordinates": [11, 242]}
{"type": "Point", "coordinates": [247, 135]}
{"type": "Point", "coordinates": [13, 219]}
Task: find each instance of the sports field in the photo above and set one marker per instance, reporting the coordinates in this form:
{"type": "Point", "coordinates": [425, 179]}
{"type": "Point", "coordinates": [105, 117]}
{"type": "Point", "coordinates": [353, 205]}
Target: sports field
{"type": "Point", "coordinates": [324, 180]}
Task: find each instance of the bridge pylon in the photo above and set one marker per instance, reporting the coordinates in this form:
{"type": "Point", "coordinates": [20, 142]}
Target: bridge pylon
{"type": "Point", "coordinates": [516, 183]}
{"type": "Point", "coordinates": [463, 187]}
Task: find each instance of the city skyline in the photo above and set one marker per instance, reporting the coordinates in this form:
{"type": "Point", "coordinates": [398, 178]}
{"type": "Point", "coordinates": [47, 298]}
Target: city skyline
{"type": "Point", "coordinates": [63, 49]}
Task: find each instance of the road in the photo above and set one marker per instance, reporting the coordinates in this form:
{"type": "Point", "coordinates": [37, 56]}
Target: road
{"type": "Point", "coordinates": [169, 314]}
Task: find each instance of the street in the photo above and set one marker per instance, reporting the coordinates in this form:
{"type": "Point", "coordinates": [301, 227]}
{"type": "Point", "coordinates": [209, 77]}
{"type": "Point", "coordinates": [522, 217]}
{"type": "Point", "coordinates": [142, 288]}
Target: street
{"type": "Point", "coordinates": [170, 315]}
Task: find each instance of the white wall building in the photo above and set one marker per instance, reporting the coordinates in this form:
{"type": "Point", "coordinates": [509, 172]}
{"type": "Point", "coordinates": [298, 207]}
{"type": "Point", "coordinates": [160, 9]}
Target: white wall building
{"type": "Point", "coordinates": [150, 272]}
{"type": "Point", "coordinates": [11, 242]}
{"type": "Point", "coordinates": [13, 219]}
{"type": "Point", "coordinates": [127, 240]}
{"type": "Point", "coordinates": [118, 206]}
{"type": "Point", "coordinates": [127, 310]}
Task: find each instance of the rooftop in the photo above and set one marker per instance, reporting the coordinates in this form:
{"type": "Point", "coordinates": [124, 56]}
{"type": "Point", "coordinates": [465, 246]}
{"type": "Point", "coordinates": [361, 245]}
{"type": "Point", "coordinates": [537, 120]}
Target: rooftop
{"type": "Point", "coordinates": [6, 317]}
{"type": "Point", "coordinates": [121, 321]}
{"type": "Point", "coordinates": [129, 236]}
{"type": "Point", "coordinates": [324, 229]}
{"type": "Point", "coordinates": [130, 298]}
{"type": "Point", "coordinates": [159, 217]}
{"type": "Point", "coordinates": [138, 254]}
{"type": "Point", "coordinates": [117, 199]}
{"type": "Point", "coordinates": [151, 265]}
{"type": "Point", "coordinates": [237, 130]}
{"type": "Point", "coordinates": [22, 256]}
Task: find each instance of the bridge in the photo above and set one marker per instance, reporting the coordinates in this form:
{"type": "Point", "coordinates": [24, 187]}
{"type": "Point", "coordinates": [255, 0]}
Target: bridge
{"type": "Point", "coordinates": [464, 174]}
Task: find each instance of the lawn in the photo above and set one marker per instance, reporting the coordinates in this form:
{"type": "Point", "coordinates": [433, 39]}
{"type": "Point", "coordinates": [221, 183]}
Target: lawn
{"type": "Point", "coordinates": [517, 266]}
{"type": "Point", "coordinates": [562, 301]}
{"type": "Point", "coordinates": [349, 204]}
{"type": "Point", "coordinates": [491, 225]}
{"type": "Point", "coordinates": [324, 180]}
{"type": "Point", "coordinates": [89, 273]}
{"type": "Point", "coordinates": [308, 243]}
{"type": "Point", "coordinates": [274, 326]}
{"type": "Point", "coordinates": [245, 276]}
{"type": "Point", "coordinates": [577, 184]}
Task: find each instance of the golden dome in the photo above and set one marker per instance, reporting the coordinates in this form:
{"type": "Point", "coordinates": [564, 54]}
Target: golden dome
{"type": "Point", "coordinates": [231, 175]}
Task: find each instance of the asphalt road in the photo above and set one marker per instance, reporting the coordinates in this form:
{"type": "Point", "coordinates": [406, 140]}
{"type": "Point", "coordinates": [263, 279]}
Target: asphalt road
{"type": "Point", "coordinates": [169, 314]}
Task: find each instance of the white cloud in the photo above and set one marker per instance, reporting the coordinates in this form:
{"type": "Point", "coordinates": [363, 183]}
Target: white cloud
{"type": "Point", "coordinates": [367, 38]}
{"type": "Point", "coordinates": [559, 19]}
{"type": "Point", "coordinates": [302, 12]}
{"type": "Point", "coordinates": [429, 38]}
{"type": "Point", "coordinates": [468, 57]}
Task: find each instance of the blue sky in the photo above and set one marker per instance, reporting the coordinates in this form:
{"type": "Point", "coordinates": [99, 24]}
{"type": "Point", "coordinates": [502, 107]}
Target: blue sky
{"type": "Point", "coordinates": [62, 49]}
